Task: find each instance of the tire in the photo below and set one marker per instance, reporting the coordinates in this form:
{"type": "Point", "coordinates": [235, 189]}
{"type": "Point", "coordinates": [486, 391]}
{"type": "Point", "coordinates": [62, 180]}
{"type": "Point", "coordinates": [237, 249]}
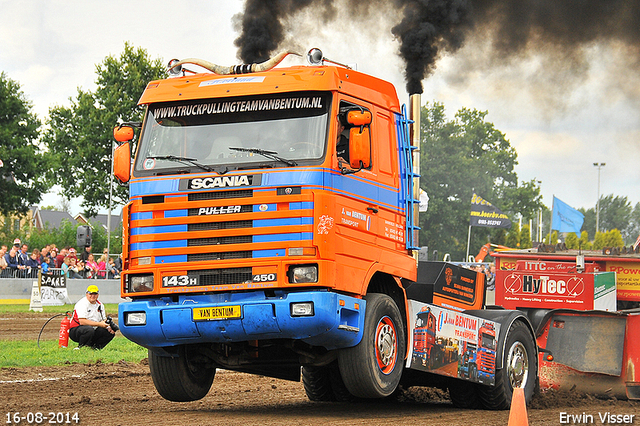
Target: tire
{"type": "Point", "coordinates": [519, 369]}
{"type": "Point", "coordinates": [372, 368]}
{"type": "Point", "coordinates": [324, 384]}
{"type": "Point", "coordinates": [181, 378]}
{"type": "Point", "coordinates": [464, 394]}
{"type": "Point", "coordinates": [317, 383]}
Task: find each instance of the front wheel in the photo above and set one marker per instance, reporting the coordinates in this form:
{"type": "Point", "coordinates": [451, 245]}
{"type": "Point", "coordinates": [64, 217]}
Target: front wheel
{"type": "Point", "coordinates": [186, 377]}
{"type": "Point", "coordinates": [519, 369]}
{"type": "Point", "coordinates": [372, 368]}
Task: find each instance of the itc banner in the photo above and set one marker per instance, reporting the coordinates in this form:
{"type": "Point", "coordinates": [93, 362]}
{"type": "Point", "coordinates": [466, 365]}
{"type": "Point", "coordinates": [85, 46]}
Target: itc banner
{"type": "Point", "coordinates": [483, 213]}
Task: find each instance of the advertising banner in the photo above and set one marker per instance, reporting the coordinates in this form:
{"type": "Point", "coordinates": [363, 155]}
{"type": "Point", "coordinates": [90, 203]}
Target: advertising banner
{"type": "Point", "coordinates": [452, 344]}
{"type": "Point", "coordinates": [554, 285]}
{"type": "Point", "coordinates": [53, 290]}
{"type": "Point", "coordinates": [483, 213]}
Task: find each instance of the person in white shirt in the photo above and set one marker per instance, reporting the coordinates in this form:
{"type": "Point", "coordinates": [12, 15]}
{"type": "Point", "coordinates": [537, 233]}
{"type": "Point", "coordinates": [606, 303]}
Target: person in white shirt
{"type": "Point", "coordinates": [88, 324]}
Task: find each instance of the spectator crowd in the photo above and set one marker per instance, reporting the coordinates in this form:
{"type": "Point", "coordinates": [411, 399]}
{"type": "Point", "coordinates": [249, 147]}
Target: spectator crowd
{"type": "Point", "coordinates": [17, 262]}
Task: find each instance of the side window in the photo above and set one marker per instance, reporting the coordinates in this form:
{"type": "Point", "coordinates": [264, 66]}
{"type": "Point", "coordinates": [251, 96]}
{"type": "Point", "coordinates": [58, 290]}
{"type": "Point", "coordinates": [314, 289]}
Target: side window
{"type": "Point", "coordinates": [352, 136]}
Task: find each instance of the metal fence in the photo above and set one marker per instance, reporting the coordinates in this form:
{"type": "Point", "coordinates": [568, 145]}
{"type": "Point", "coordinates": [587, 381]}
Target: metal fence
{"type": "Point", "coordinates": [31, 273]}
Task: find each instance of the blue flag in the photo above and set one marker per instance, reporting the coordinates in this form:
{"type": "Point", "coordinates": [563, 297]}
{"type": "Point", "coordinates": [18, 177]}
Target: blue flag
{"type": "Point", "coordinates": [565, 218]}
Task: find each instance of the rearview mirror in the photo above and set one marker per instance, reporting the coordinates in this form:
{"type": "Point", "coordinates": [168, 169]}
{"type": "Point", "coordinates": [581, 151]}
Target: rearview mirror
{"type": "Point", "coordinates": [123, 133]}
{"type": "Point", "coordinates": [122, 162]}
{"type": "Point", "coordinates": [359, 118]}
{"type": "Point", "coordinates": [359, 148]}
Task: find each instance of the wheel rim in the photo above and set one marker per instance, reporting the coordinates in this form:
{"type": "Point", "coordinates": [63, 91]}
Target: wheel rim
{"type": "Point", "coordinates": [518, 365]}
{"type": "Point", "coordinates": [386, 345]}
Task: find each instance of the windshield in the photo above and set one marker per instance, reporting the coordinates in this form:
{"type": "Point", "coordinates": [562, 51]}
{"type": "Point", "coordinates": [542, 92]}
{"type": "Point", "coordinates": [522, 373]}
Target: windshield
{"type": "Point", "coordinates": [225, 134]}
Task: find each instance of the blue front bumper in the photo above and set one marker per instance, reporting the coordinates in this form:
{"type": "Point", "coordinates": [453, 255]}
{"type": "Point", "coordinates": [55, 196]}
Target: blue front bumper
{"type": "Point", "coordinates": [337, 322]}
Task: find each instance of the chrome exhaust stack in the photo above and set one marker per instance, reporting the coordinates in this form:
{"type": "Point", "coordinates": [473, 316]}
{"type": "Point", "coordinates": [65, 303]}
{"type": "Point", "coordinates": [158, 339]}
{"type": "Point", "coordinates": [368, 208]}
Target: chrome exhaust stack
{"type": "Point", "coordinates": [175, 66]}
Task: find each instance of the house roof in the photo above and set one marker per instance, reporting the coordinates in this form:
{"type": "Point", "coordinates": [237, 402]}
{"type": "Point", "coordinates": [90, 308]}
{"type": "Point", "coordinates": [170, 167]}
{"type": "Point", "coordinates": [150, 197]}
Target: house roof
{"type": "Point", "coordinates": [101, 219]}
{"type": "Point", "coordinates": [51, 219]}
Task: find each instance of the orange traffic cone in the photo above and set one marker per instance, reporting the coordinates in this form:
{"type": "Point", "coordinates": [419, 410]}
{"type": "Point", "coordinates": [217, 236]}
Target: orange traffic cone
{"type": "Point", "coordinates": [518, 412]}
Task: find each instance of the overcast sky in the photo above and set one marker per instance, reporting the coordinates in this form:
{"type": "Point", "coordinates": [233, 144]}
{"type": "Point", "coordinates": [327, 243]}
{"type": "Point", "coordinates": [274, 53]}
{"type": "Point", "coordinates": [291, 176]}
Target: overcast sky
{"type": "Point", "coordinates": [559, 130]}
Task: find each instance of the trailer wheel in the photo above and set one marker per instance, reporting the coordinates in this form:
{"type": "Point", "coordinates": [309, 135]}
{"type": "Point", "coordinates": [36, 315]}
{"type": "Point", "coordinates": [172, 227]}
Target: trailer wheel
{"type": "Point", "coordinates": [519, 369]}
{"type": "Point", "coordinates": [183, 378]}
{"type": "Point", "coordinates": [372, 368]}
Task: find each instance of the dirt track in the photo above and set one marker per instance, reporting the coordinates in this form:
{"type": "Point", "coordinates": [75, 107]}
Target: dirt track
{"type": "Point", "coordinates": [123, 394]}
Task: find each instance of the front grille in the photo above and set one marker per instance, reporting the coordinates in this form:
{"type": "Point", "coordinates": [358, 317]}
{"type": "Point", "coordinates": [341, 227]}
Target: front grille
{"type": "Point", "coordinates": [223, 276]}
{"type": "Point", "coordinates": [213, 226]}
{"type": "Point", "coordinates": [220, 195]}
{"type": "Point", "coordinates": [242, 239]}
{"type": "Point", "coordinates": [223, 255]}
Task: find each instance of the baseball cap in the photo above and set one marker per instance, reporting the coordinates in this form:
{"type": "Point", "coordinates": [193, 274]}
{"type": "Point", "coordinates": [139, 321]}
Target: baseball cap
{"type": "Point", "coordinates": [72, 250]}
{"type": "Point", "coordinates": [93, 289]}
{"type": "Point", "coordinates": [16, 242]}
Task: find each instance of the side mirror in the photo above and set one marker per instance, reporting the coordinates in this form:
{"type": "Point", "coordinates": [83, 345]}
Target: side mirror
{"type": "Point", "coordinates": [359, 118]}
{"type": "Point", "coordinates": [123, 133]}
{"type": "Point", "coordinates": [359, 148]}
{"type": "Point", "coordinates": [122, 162]}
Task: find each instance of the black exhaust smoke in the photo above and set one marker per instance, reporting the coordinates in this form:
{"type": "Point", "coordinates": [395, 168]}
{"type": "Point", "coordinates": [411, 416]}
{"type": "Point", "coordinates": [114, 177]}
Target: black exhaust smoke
{"type": "Point", "coordinates": [429, 29]}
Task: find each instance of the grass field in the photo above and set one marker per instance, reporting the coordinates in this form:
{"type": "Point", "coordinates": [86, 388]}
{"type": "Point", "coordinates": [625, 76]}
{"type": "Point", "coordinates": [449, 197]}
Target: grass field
{"type": "Point", "coordinates": [26, 353]}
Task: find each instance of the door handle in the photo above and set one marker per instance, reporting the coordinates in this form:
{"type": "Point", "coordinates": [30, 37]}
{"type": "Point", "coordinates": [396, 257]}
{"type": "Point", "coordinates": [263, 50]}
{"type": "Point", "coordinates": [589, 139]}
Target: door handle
{"type": "Point", "coordinates": [372, 209]}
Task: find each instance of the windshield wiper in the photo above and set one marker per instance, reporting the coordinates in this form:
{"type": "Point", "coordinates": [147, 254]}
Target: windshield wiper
{"type": "Point", "coordinates": [187, 160]}
{"type": "Point", "coordinates": [273, 155]}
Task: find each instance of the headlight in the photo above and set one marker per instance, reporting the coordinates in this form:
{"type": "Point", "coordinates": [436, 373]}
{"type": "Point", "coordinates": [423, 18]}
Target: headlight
{"type": "Point", "coordinates": [135, 318]}
{"type": "Point", "coordinates": [303, 274]}
{"type": "Point", "coordinates": [301, 309]}
{"type": "Point", "coordinates": [139, 283]}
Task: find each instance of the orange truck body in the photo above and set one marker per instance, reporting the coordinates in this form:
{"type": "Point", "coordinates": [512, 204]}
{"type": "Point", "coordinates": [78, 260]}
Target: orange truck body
{"type": "Point", "coordinates": [191, 233]}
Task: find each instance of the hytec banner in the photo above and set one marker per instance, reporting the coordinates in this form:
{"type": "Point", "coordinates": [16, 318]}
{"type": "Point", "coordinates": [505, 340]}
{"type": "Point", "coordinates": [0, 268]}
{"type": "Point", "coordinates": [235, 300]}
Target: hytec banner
{"type": "Point", "coordinates": [483, 213]}
{"type": "Point", "coordinates": [565, 218]}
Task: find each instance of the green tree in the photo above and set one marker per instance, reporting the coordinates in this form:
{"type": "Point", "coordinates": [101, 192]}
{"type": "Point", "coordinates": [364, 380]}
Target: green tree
{"type": "Point", "coordinates": [572, 241]}
{"type": "Point", "coordinates": [22, 180]}
{"type": "Point", "coordinates": [513, 237]}
{"type": "Point", "coordinates": [584, 242]}
{"type": "Point", "coordinates": [615, 212]}
{"type": "Point", "coordinates": [599, 241]}
{"type": "Point", "coordinates": [80, 137]}
{"type": "Point", "coordinates": [525, 237]}
{"type": "Point", "coordinates": [613, 238]}
{"type": "Point", "coordinates": [460, 157]}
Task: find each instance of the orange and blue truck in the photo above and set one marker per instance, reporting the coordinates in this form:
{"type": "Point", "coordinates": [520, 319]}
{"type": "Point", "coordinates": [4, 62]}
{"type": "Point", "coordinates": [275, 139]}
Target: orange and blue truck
{"type": "Point", "coordinates": [272, 229]}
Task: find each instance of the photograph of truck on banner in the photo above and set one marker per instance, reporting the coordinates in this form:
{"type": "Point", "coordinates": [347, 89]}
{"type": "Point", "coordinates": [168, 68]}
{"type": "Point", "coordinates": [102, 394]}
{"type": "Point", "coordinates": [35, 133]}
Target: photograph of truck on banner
{"type": "Point", "coordinates": [452, 344]}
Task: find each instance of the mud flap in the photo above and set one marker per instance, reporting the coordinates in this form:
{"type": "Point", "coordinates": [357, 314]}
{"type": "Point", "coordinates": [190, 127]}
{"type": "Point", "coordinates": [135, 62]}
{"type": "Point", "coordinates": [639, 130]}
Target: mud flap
{"type": "Point", "coordinates": [587, 343]}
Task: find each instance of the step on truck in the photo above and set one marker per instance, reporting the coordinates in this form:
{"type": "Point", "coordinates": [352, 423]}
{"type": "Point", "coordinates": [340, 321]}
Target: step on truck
{"type": "Point", "coordinates": [272, 229]}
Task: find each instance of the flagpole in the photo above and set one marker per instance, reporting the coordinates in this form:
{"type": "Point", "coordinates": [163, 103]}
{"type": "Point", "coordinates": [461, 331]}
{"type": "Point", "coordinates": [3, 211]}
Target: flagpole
{"type": "Point", "coordinates": [468, 241]}
{"type": "Point", "coordinates": [551, 220]}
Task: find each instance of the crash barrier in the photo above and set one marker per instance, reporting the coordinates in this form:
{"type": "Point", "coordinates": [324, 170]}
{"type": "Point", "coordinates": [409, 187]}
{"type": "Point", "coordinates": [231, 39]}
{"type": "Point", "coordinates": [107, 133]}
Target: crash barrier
{"type": "Point", "coordinates": [18, 290]}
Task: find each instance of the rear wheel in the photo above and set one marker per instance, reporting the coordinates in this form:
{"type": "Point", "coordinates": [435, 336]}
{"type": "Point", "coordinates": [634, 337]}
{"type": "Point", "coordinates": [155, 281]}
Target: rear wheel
{"type": "Point", "coordinates": [519, 369]}
{"type": "Point", "coordinates": [372, 369]}
{"type": "Point", "coordinates": [187, 377]}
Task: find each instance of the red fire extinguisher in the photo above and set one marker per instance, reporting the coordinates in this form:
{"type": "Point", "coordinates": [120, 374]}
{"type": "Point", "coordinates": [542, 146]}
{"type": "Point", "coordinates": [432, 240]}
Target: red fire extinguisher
{"type": "Point", "coordinates": [63, 338]}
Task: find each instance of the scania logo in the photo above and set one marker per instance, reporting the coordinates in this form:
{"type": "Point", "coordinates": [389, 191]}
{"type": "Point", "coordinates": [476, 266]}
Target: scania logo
{"type": "Point", "coordinates": [219, 182]}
